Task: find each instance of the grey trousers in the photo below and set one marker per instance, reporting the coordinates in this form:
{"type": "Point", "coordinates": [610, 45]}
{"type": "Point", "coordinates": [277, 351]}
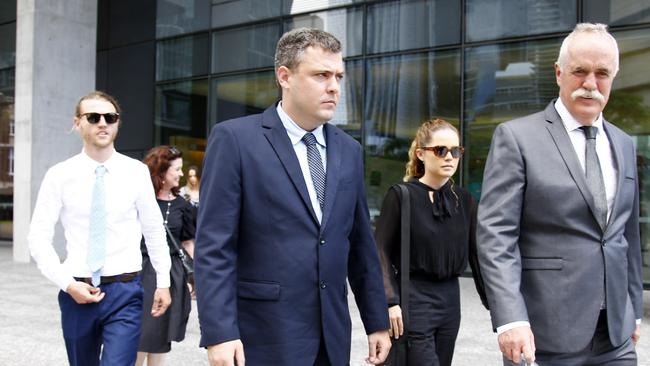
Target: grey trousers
{"type": "Point", "coordinates": [599, 352]}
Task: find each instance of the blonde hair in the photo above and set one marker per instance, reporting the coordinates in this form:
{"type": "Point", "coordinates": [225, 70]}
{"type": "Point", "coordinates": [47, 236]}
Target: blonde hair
{"type": "Point", "coordinates": [415, 166]}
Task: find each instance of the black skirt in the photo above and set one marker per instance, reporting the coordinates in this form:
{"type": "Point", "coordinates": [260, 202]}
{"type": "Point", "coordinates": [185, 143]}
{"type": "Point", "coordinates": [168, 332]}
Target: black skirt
{"type": "Point", "coordinates": [158, 333]}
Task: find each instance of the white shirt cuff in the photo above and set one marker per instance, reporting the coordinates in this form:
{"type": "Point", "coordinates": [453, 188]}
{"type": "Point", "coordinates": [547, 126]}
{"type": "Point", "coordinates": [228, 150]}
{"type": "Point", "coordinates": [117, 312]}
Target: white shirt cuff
{"type": "Point", "coordinates": [638, 322]}
{"type": "Point", "coordinates": [512, 325]}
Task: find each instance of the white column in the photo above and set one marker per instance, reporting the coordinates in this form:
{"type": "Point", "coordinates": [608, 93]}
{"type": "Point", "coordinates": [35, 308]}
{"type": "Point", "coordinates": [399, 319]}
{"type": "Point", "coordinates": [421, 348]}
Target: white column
{"type": "Point", "coordinates": [55, 65]}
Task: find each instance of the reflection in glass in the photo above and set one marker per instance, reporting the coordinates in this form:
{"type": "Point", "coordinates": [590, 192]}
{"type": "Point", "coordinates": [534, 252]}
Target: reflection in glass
{"type": "Point", "coordinates": [7, 123]}
{"type": "Point", "coordinates": [182, 57]}
{"type": "Point", "coordinates": [619, 12]}
{"type": "Point", "coordinates": [629, 108]}
{"type": "Point", "coordinates": [301, 6]}
{"type": "Point", "coordinates": [348, 111]}
{"type": "Point", "coordinates": [8, 45]}
{"type": "Point", "coordinates": [503, 82]}
{"type": "Point", "coordinates": [511, 18]}
{"type": "Point", "coordinates": [401, 93]}
{"type": "Point", "coordinates": [401, 25]}
{"type": "Point", "coordinates": [181, 110]}
{"type": "Point", "coordinates": [244, 48]}
{"type": "Point", "coordinates": [344, 24]}
{"type": "Point", "coordinates": [181, 16]}
{"type": "Point", "coordinates": [241, 95]}
{"type": "Point", "coordinates": [230, 12]}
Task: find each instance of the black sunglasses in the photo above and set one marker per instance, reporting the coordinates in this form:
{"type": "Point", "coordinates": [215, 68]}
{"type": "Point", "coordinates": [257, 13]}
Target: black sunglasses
{"type": "Point", "coordinates": [442, 151]}
{"type": "Point", "coordinates": [94, 118]}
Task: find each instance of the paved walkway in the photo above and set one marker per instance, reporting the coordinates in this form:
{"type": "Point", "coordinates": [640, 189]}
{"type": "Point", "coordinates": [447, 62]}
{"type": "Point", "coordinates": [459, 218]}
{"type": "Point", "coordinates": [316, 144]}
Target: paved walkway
{"type": "Point", "coordinates": [30, 329]}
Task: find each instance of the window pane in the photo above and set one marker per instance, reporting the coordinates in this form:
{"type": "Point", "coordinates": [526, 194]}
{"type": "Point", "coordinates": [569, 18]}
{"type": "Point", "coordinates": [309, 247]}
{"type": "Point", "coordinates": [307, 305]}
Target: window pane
{"type": "Point", "coordinates": [181, 111]}
{"type": "Point", "coordinates": [244, 48]}
{"type": "Point", "coordinates": [619, 12]}
{"type": "Point", "coordinates": [348, 111]}
{"type": "Point", "coordinates": [182, 57]}
{"type": "Point", "coordinates": [241, 95]}
{"type": "Point", "coordinates": [301, 6]}
{"type": "Point", "coordinates": [181, 16]}
{"type": "Point", "coordinates": [7, 123]}
{"type": "Point", "coordinates": [401, 93]}
{"type": "Point", "coordinates": [629, 109]}
{"type": "Point", "coordinates": [503, 82]}
{"type": "Point", "coordinates": [7, 45]}
{"type": "Point", "coordinates": [492, 19]}
{"type": "Point", "coordinates": [229, 12]}
{"type": "Point", "coordinates": [7, 11]}
{"type": "Point", "coordinates": [402, 25]}
{"type": "Point", "coordinates": [344, 24]}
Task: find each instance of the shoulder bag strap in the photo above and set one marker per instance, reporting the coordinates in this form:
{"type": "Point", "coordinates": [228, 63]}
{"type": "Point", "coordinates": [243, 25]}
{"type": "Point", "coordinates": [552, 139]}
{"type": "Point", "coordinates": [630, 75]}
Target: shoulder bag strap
{"type": "Point", "coordinates": [405, 254]}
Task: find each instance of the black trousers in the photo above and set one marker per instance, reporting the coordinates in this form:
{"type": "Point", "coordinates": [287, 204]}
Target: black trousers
{"type": "Point", "coordinates": [434, 319]}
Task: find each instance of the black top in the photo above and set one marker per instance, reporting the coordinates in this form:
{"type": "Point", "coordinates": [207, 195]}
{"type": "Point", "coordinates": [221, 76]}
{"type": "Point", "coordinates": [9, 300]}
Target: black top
{"type": "Point", "coordinates": [442, 233]}
{"type": "Point", "coordinates": [181, 221]}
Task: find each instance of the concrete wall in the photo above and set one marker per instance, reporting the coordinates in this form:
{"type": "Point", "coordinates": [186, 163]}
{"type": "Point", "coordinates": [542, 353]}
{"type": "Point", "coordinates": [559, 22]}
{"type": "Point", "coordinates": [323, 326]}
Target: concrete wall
{"type": "Point", "coordinates": [55, 65]}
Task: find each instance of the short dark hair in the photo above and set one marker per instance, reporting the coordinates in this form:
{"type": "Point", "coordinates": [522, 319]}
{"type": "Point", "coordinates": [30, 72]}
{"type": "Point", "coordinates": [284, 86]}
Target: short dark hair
{"type": "Point", "coordinates": [158, 160]}
{"type": "Point", "coordinates": [293, 44]}
{"type": "Point", "coordinates": [97, 94]}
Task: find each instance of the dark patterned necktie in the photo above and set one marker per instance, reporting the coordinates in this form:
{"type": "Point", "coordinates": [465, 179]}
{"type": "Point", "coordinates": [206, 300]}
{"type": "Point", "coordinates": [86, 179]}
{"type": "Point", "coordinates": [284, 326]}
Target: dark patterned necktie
{"type": "Point", "coordinates": [594, 175]}
{"type": "Point", "coordinates": [315, 166]}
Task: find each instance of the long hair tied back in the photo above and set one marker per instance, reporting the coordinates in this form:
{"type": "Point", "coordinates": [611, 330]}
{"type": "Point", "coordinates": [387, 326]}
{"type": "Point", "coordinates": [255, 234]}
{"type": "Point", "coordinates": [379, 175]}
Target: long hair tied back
{"type": "Point", "coordinates": [415, 166]}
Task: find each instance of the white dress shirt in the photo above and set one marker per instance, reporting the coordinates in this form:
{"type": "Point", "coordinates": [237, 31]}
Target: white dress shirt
{"type": "Point", "coordinates": [132, 211]}
{"type": "Point", "coordinates": [603, 150]}
{"type": "Point", "coordinates": [296, 133]}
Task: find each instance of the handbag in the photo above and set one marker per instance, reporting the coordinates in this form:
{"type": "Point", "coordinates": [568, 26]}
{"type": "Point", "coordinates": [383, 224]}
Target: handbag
{"type": "Point", "coordinates": [186, 260]}
{"type": "Point", "coordinates": [398, 355]}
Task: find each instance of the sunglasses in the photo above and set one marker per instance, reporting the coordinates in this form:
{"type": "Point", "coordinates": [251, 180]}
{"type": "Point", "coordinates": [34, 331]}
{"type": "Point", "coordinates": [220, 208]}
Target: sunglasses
{"type": "Point", "coordinates": [175, 152]}
{"type": "Point", "coordinates": [442, 151]}
{"type": "Point", "coordinates": [94, 118]}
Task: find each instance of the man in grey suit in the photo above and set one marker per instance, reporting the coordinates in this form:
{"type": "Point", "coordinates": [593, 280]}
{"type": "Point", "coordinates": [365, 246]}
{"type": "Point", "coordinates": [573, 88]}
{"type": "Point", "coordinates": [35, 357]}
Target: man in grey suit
{"type": "Point", "coordinates": [558, 229]}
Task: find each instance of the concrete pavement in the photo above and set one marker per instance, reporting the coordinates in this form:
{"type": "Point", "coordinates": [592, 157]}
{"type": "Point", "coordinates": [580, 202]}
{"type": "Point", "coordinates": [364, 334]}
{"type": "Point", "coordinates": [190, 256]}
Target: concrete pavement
{"type": "Point", "coordinates": [30, 327]}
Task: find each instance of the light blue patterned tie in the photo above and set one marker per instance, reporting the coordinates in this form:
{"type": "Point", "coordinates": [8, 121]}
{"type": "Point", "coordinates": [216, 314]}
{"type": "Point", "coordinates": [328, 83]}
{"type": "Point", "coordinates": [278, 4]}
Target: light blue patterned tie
{"type": "Point", "coordinates": [97, 229]}
{"type": "Point", "coordinates": [315, 166]}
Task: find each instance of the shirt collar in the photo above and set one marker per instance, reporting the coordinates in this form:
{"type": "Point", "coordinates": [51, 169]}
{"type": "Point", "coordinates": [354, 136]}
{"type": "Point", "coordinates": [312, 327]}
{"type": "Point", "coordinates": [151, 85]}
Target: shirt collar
{"type": "Point", "coordinates": [570, 123]}
{"type": "Point", "coordinates": [295, 132]}
{"type": "Point", "coordinates": [92, 164]}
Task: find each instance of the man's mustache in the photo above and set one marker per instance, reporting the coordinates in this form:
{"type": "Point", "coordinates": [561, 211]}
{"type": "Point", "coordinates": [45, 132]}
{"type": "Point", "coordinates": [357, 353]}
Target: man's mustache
{"type": "Point", "coordinates": [591, 94]}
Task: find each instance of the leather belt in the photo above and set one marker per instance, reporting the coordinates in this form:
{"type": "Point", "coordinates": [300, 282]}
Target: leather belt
{"type": "Point", "coordinates": [124, 277]}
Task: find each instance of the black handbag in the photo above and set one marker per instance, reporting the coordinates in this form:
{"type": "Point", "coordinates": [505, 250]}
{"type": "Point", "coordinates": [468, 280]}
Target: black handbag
{"type": "Point", "coordinates": [398, 355]}
{"type": "Point", "coordinates": [186, 260]}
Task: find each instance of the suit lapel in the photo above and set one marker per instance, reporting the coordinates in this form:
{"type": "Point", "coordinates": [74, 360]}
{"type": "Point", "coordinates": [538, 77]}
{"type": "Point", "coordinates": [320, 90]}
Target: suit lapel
{"type": "Point", "coordinates": [277, 136]}
{"type": "Point", "coordinates": [565, 146]}
{"type": "Point", "coordinates": [333, 168]}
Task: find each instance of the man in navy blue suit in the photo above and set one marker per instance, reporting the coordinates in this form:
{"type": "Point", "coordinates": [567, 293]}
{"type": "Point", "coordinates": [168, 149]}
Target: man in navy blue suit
{"type": "Point", "coordinates": [283, 222]}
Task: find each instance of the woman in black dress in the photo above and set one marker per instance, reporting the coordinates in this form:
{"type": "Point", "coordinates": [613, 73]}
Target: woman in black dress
{"type": "Point", "coordinates": [442, 232]}
{"type": "Point", "coordinates": [165, 166]}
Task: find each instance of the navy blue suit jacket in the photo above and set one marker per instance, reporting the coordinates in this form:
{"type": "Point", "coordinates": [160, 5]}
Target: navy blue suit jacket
{"type": "Point", "coordinates": [266, 271]}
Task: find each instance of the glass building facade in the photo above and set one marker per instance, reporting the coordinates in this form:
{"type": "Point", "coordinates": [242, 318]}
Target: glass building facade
{"type": "Point", "coordinates": [475, 63]}
{"type": "Point", "coordinates": [180, 66]}
{"type": "Point", "coordinates": [7, 86]}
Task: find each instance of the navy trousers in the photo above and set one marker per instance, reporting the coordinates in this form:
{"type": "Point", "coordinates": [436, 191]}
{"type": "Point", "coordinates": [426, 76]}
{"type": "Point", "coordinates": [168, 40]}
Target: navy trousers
{"type": "Point", "coordinates": [114, 323]}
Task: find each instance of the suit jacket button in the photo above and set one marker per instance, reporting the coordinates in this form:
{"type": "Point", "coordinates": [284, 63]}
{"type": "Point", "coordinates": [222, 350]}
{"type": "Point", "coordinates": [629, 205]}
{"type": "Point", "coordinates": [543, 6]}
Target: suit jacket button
{"type": "Point", "coordinates": [322, 242]}
{"type": "Point", "coordinates": [323, 284]}
{"type": "Point", "coordinates": [604, 242]}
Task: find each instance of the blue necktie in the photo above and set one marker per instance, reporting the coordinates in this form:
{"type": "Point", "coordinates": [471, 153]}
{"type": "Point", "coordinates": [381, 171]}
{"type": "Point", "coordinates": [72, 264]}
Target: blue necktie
{"type": "Point", "coordinates": [594, 175]}
{"type": "Point", "coordinates": [97, 229]}
{"type": "Point", "coordinates": [315, 166]}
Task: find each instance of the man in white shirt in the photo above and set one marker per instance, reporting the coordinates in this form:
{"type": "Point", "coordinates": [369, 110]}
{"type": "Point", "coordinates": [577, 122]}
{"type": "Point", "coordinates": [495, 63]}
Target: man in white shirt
{"type": "Point", "coordinates": [106, 203]}
{"type": "Point", "coordinates": [558, 221]}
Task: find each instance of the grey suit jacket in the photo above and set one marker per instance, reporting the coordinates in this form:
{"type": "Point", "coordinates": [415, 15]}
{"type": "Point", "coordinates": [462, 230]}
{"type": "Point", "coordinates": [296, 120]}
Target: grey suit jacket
{"type": "Point", "coordinates": [543, 255]}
